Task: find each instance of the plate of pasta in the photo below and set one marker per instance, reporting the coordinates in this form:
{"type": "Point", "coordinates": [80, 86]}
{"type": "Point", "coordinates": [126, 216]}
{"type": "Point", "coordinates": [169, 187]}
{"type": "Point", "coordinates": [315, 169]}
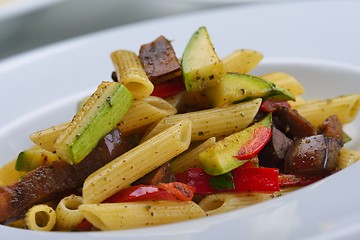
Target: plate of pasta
{"type": "Point", "coordinates": [180, 142]}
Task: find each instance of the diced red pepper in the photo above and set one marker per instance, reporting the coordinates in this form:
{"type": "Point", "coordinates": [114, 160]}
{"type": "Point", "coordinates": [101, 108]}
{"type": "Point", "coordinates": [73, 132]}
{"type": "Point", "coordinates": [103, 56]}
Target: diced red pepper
{"type": "Point", "coordinates": [270, 106]}
{"type": "Point", "coordinates": [173, 191]}
{"type": "Point", "coordinates": [197, 178]}
{"type": "Point", "coordinates": [85, 225]}
{"type": "Point", "coordinates": [249, 164]}
{"type": "Point", "coordinates": [256, 179]}
{"type": "Point", "coordinates": [168, 88]}
{"type": "Point", "coordinates": [245, 179]}
{"type": "Point", "coordinates": [251, 148]}
{"type": "Point", "coordinates": [181, 191]}
{"type": "Point", "coordinates": [141, 193]}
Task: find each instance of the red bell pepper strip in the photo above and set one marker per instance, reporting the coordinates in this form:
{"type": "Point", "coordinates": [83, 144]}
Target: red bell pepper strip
{"type": "Point", "coordinates": [85, 225]}
{"type": "Point", "coordinates": [251, 148]}
{"type": "Point", "coordinates": [164, 191]}
{"type": "Point", "coordinates": [270, 106]}
{"type": "Point", "coordinates": [249, 164]}
{"type": "Point", "coordinates": [180, 191]}
{"type": "Point", "coordinates": [168, 88]}
{"type": "Point", "coordinates": [245, 179]}
{"type": "Point", "coordinates": [141, 193]}
{"type": "Point", "coordinates": [197, 178]}
{"type": "Point", "coordinates": [256, 179]}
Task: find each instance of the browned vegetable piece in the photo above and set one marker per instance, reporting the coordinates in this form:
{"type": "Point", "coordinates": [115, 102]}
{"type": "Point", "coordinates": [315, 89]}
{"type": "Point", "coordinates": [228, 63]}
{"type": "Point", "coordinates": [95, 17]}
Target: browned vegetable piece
{"type": "Point", "coordinates": [313, 156]}
{"type": "Point", "coordinates": [292, 124]}
{"type": "Point", "coordinates": [272, 155]}
{"type": "Point", "coordinates": [56, 180]}
{"type": "Point", "coordinates": [332, 127]}
{"type": "Point", "coordinates": [159, 60]}
{"type": "Point", "coordinates": [162, 174]}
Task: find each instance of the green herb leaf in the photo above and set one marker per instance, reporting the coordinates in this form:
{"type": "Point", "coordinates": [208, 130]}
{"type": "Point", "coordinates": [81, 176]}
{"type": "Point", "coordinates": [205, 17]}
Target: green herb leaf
{"type": "Point", "coordinates": [222, 182]}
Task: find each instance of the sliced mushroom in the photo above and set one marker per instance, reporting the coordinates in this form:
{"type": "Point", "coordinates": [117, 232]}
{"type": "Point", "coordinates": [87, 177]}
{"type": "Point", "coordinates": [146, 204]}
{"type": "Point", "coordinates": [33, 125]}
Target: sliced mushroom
{"type": "Point", "coordinates": [313, 156]}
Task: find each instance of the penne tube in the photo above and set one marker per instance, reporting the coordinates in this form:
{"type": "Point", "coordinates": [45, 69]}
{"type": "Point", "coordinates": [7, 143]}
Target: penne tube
{"type": "Point", "coordinates": [242, 60]}
{"type": "Point", "coordinates": [316, 111]}
{"type": "Point", "coordinates": [131, 73]}
{"type": "Point", "coordinates": [40, 217]}
{"type": "Point", "coordinates": [176, 100]}
{"type": "Point", "coordinates": [68, 214]}
{"type": "Point", "coordinates": [143, 112]}
{"type": "Point", "coordinates": [224, 202]}
{"type": "Point", "coordinates": [137, 162]}
{"type": "Point", "coordinates": [116, 216]}
{"type": "Point", "coordinates": [297, 102]}
{"type": "Point", "coordinates": [190, 158]}
{"type": "Point", "coordinates": [286, 81]}
{"type": "Point", "coordinates": [46, 138]}
{"type": "Point", "coordinates": [215, 122]}
{"type": "Point", "coordinates": [348, 157]}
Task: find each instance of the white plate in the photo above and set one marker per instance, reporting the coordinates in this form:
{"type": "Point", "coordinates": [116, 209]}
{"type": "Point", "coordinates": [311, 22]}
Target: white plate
{"type": "Point", "coordinates": [14, 8]}
{"type": "Point", "coordinates": [41, 88]}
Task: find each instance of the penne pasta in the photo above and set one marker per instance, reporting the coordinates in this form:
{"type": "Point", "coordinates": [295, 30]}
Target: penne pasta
{"type": "Point", "coordinates": [190, 158]}
{"type": "Point", "coordinates": [116, 216]}
{"type": "Point", "coordinates": [131, 73]}
{"type": "Point", "coordinates": [46, 138]}
{"type": "Point", "coordinates": [297, 102]}
{"type": "Point", "coordinates": [348, 157]}
{"type": "Point", "coordinates": [242, 60]}
{"type": "Point", "coordinates": [40, 217]}
{"type": "Point", "coordinates": [176, 101]}
{"type": "Point", "coordinates": [143, 112]}
{"type": "Point", "coordinates": [137, 162]}
{"type": "Point", "coordinates": [224, 202]}
{"type": "Point", "coordinates": [286, 81]}
{"type": "Point", "coordinates": [68, 214]}
{"type": "Point", "coordinates": [316, 111]}
{"type": "Point", "coordinates": [215, 122]}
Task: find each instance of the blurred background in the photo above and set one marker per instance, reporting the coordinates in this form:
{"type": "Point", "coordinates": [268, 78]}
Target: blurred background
{"type": "Point", "coordinates": [28, 24]}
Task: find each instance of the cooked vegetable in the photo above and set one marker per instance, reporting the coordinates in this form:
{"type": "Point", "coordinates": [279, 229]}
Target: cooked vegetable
{"type": "Point", "coordinates": [159, 60]}
{"type": "Point", "coordinates": [173, 191]}
{"type": "Point", "coordinates": [241, 179]}
{"type": "Point", "coordinates": [162, 174]}
{"type": "Point", "coordinates": [270, 106]}
{"type": "Point", "coordinates": [259, 139]}
{"type": "Point", "coordinates": [201, 65]}
{"type": "Point", "coordinates": [221, 157]}
{"type": "Point", "coordinates": [100, 114]}
{"type": "Point", "coordinates": [292, 124]}
{"type": "Point", "coordinates": [197, 178]}
{"type": "Point", "coordinates": [32, 158]}
{"type": "Point", "coordinates": [168, 88]}
{"type": "Point", "coordinates": [313, 156]}
{"type": "Point", "coordinates": [256, 179]}
{"type": "Point", "coordinates": [332, 127]}
{"type": "Point", "coordinates": [57, 179]}
{"type": "Point", "coordinates": [235, 87]}
{"type": "Point", "coordinates": [272, 155]}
